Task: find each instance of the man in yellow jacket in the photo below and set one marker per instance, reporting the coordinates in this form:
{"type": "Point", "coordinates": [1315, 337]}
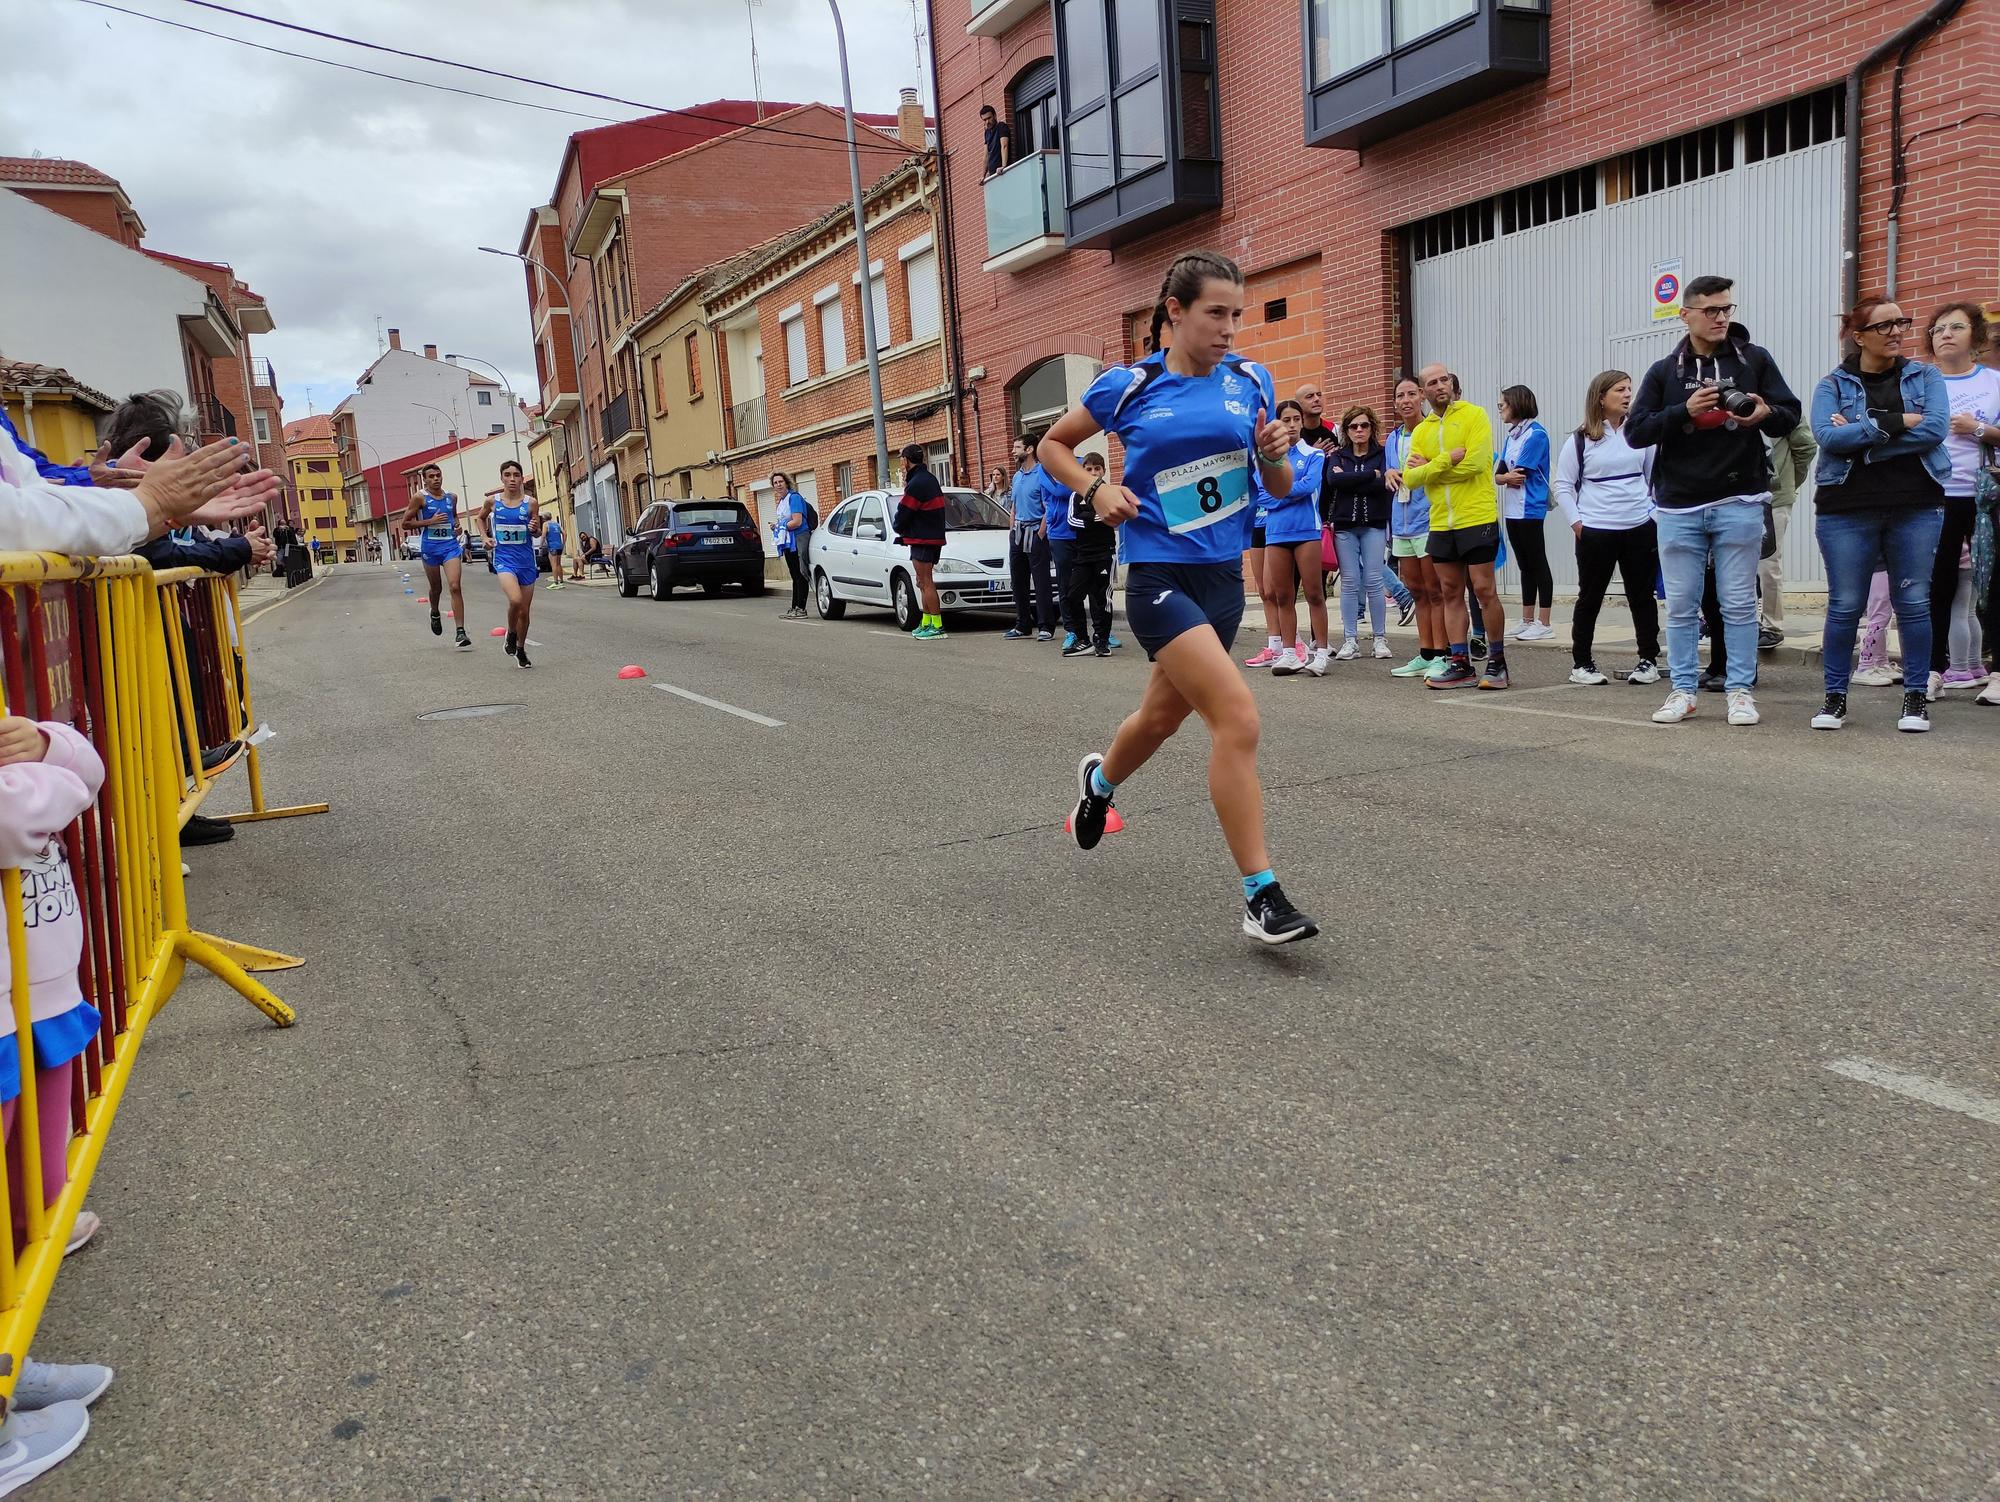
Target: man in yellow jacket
{"type": "Point", "coordinates": [1451, 460]}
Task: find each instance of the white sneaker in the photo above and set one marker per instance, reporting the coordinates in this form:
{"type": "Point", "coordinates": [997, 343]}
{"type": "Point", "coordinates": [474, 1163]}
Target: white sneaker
{"type": "Point", "coordinates": [1534, 631]}
{"type": "Point", "coordinates": [1677, 708]}
{"type": "Point", "coordinates": [44, 1384]}
{"type": "Point", "coordinates": [1382, 648]}
{"type": "Point", "coordinates": [38, 1441]}
{"type": "Point", "coordinates": [1990, 695]}
{"type": "Point", "coordinates": [1349, 650]}
{"type": "Point", "coordinates": [1289, 664]}
{"type": "Point", "coordinates": [1320, 658]}
{"type": "Point", "coordinates": [1644, 671]}
{"type": "Point", "coordinates": [1933, 686]}
{"type": "Point", "coordinates": [1588, 677]}
{"type": "Point", "coordinates": [1742, 708]}
{"type": "Point", "coordinates": [1876, 677]}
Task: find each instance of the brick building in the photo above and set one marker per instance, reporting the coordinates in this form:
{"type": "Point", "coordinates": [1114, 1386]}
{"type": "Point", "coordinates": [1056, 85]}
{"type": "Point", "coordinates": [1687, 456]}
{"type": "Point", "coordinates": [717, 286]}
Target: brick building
{"type": "Point", "coordinates": [639, 206]}
{"type": "Point", "coordinates": [1496, 183]}
{"type": "Point", "coordinates": [790, 369]}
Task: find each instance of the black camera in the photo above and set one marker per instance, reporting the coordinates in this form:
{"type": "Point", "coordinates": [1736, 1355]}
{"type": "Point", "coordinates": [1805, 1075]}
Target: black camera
{"type": "Point", "coordinates": [1736, 403]}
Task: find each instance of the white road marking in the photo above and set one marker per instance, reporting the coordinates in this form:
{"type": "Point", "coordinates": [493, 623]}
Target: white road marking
{"type": "Point", "coordinates": [533, 643]}
{"type": "Point", "coordinates": [741, 714]}
{"type": "Point", "coordinates": [873, 632]}
{"type": "Point", "coordinates": [1920, 1087]}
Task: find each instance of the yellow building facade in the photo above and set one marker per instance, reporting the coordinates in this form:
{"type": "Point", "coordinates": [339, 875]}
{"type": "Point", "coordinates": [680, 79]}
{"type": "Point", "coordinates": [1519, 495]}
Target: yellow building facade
{"type": "Point", "coordinates": [53, 412]}
{"type": "Point", "coordinates": [312, 462]}
{"type": "Point", "coordinates": [676, 349]}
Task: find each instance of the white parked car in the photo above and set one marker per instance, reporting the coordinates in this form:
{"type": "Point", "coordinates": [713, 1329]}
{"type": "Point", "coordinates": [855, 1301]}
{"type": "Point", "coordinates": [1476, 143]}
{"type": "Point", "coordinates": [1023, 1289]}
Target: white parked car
{"type": "Point", "coordinates": [854, 558]}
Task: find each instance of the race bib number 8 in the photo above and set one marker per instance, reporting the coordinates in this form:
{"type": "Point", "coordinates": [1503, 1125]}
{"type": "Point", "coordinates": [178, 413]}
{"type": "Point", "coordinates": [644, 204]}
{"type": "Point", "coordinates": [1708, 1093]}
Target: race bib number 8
{"type": "Point", "coordinates": [1204, 491]}
{"type": "Point", "coordinates": [515, 534]}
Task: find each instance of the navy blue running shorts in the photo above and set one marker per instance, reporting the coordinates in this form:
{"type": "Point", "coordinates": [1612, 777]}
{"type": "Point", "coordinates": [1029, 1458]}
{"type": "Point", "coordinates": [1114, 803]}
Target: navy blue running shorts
{"type": "Point", "coordinates": [1166, 600]}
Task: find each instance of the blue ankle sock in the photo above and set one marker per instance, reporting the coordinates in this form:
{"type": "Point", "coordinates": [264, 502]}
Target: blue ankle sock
{"type": "Point", "coordinates": [1459, 648]}
{"type": "Point", "coordinates": [1098, 784]}
{"type": "Point", "coordinates": [1256, 883]}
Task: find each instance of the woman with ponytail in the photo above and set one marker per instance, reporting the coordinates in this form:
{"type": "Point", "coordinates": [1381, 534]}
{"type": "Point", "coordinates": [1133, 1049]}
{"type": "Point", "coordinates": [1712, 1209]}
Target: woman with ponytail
{"type": "Point", "coordinates": [1197, 423]}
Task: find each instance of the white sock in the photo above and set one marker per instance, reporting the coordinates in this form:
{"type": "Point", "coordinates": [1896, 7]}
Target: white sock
{"type": "Point", "coordinates": [1277, 644]}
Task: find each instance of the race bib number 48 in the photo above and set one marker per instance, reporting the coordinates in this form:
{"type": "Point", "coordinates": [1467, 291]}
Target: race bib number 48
{"type": "Point", "coordinates": [439, 531]}
{"type": "Point", "coordinates": [1204, 491]}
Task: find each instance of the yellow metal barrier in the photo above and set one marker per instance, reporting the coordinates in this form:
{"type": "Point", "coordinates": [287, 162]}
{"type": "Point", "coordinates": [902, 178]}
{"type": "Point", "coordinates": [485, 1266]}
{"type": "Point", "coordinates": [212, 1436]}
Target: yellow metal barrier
{"type": "Point", "coordinates": [117, 651]}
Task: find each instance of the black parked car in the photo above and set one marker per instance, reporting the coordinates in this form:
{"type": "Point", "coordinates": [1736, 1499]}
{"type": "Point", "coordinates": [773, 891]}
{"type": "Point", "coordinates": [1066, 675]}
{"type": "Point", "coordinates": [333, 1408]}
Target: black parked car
{"type": "Point", "coordinates": [710, 543]}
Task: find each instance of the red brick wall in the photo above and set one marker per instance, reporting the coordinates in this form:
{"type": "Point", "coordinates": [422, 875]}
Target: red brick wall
{"type": "Point", "coordinates": [906, 372]}
{"type": "Point", "coordinates": [1623, 73]}
{"type": "Point", "coordinates": [92, 210]}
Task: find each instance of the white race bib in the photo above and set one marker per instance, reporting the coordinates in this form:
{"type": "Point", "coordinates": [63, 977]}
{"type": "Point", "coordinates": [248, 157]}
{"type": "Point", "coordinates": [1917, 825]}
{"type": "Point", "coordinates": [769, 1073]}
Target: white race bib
{"type": "Point", "coordinates": [440, 531]}
{"type": "Point", "coordinates": [514, 534]}
{"type": "Point", "coordinates": [1203, 492]}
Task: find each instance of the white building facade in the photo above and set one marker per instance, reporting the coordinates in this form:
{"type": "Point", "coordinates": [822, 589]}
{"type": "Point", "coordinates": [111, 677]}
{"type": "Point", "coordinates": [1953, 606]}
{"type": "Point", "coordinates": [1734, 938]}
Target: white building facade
{"type": "Point", "coordinates": [407, 402]}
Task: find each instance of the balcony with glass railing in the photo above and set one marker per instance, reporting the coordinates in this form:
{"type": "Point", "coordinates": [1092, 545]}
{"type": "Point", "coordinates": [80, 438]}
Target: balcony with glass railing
{"type": "Point", "coordinates": [1024, 212]}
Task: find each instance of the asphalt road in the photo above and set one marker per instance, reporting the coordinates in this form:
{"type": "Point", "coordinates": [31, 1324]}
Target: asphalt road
{"type": "Point", "coordinates": [688, 1106]}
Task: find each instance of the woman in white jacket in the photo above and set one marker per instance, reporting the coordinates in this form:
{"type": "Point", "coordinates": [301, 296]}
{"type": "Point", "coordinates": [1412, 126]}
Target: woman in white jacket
{"type": "Point", "coordinates": [1605, 489]}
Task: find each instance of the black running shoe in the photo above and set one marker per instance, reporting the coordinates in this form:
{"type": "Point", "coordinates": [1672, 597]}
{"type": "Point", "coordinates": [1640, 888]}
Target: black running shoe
{"type": "Point", "coordinates": [214, 756]}
{"type": "Point", "coordinates": [464, 642]}
{"type": "Point", "coordinates": [1476, 648]}
{"type": "Point", "coordinates": [521, 656]}
{"type": "Point", "coordinates": [1077, 647]}
{"type": "Point", "coordinates": [1087, 823]}
{"type": "Point", "coordinates": [1103, 651]}
{"type": "Point", "coordinates": [437, 622]}
{"type": "Point", "coordinates": [202, 830]}
{"type": "Point", "coordinates": [1270, 918]}
{"type": "Point", "coordinates": [1458, 675]}
{"type": "Point", "coordinates": [513, 641]}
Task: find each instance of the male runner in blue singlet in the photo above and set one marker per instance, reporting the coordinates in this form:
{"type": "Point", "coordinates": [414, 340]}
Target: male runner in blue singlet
{"type": "Point", "coordinates": [510, 522]}
{"type": "Point", "coordinates": [436, 511]}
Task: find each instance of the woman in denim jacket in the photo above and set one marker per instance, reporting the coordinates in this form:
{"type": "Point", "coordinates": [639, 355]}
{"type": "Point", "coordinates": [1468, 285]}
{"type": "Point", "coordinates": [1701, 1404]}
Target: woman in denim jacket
{"type": "Point", "coordinates": [1880, 422]}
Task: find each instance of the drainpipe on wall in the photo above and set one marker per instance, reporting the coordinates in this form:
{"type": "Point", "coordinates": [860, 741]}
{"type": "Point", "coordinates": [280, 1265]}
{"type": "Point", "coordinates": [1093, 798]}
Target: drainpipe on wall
{"type": "Point", "coordinates": [948, 260]}
{"type": "Point", "coordinates": [1904, 41]}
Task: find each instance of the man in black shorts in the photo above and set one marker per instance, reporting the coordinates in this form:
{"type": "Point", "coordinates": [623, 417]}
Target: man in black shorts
{"type": "Point", "coordinates": [1089, 582]}
{"type": "Point", "coordinates": [1451, 459]}
{"type": "Point", "coordinates": [920, 524]}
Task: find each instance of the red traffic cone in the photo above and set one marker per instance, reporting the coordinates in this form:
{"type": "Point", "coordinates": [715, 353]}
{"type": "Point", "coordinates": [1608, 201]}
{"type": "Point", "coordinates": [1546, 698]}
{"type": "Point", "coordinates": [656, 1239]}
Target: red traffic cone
{"type": "Point", "coordinates": [498, 631]}
{"type": "Point", "coordinates": [631, 670]}
{"type": "Point", "coordinates": [1112, 823]}
{"type": "Point", "coordinates": [450, 613]}
{"type": "Point", "coordinates": [423, 599]}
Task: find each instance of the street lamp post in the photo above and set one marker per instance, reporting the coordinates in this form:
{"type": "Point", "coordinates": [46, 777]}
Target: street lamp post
{"type": "Point", "coordinates": [576, 357]}
{"type": "Point", "coordinates": [861, 254]}
{"type": "Point", "coordinates": [361, 442]}
{"type": "Point", "coordinates": [457, 442]}
{"type": "Point", "coordinates": [507, 392]}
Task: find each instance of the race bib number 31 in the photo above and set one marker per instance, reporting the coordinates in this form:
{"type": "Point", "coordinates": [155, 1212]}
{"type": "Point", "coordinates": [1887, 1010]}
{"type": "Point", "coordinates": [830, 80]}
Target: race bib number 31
{"type": "Point", "coordinates": [514, 534]}
{"type": "Point", "coordinates": [1204, 491]}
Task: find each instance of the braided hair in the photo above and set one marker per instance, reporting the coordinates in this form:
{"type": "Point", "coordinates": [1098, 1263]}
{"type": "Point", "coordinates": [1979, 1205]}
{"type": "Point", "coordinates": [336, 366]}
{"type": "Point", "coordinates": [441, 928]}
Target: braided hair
{"type": "Point", "coordinates": [1185, 279]}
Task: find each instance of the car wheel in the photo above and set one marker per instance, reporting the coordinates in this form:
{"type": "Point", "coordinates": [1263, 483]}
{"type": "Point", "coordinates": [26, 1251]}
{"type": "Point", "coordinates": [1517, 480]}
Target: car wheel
{"type": "Point", "coordinates": [628, 588]}
{"type": "Point", "coordinates": [903, 595]}
{"type": "Point", "coordinates": [830, 609]}
{"type": "Point", "coordinates": [756, 586]}
{"type": "Point", "coordinates": [661, 586]}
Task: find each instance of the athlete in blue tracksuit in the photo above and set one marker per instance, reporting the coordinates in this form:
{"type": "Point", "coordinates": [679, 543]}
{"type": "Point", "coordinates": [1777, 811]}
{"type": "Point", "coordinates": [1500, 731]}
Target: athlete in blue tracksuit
{"type": "Point", "coordinates": [1196, 420]}
{"type": "Point", "coordinates": [436, 511]}
{"type": "Point", "coordinates": [510, 522]}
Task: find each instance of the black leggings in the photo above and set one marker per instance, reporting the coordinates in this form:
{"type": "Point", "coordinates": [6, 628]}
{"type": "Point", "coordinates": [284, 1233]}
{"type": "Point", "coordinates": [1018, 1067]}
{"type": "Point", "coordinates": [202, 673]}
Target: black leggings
{"type": "Point", "coordinates": [1531, 555]}
{"type": "Point", "coordinates": [798, 568]}
{"type": "Point", "coordinates": [1959, 517]}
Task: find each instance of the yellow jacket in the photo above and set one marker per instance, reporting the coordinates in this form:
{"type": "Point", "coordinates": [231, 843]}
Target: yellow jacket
{"type": "Point", "coordinates": [1461, 494]}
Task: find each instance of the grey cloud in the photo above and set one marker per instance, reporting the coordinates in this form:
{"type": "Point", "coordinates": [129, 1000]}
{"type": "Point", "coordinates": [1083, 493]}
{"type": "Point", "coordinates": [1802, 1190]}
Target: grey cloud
{"type": "Point", "coordinates": [342, 198]}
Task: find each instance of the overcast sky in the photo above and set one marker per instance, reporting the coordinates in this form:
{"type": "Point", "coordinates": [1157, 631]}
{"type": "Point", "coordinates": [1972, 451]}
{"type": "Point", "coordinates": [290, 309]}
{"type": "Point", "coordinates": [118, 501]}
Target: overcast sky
{"type": "Point", "coordinates": [343, 199]}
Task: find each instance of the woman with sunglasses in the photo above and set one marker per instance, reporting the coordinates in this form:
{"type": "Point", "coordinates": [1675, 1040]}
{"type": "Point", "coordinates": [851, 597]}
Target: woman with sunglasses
{"type": "Point", "coordinates": [1956, 338]}
{"type": "Point", "coordinates": [1357, 506]}
{"type": "Point", "coordinates": [1880, 420]}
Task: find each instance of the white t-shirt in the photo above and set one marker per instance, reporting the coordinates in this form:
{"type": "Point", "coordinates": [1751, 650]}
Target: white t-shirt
{"type": "Point", "coordinates": [1976, 392]}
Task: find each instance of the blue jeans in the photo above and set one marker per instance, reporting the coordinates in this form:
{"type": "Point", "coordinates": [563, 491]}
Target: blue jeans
{"type": "Point", "coordinates": [1398, 591]}
{"type": "Point", "coordinates": [1902, 539]}
{"type": "Point", "coordinates": [1733, 533]}
{"type": "Point", "coordinates": [1363, 553]}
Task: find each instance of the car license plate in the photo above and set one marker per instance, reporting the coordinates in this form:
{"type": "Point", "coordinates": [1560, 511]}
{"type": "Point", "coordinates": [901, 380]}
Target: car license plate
{"type": "Point", "coordinates": [995, 587]}
{"type": "Point", "coordinates": [715, 542]}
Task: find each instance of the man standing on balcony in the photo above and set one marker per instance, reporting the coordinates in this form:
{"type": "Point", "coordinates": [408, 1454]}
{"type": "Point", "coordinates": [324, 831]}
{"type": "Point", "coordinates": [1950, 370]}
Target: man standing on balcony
{"type": "Point", "coordinates": [1028, 550]}
{"type": "Point", "coordinates": [999, 141]}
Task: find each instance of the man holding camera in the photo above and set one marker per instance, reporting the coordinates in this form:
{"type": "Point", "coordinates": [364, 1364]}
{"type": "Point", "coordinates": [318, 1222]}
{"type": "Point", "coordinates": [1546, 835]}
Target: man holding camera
{"type": "Point", "coordinates": [1707, 407]}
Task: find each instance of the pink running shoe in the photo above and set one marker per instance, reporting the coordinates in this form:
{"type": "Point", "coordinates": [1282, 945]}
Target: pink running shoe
{"type": "Point", "coordinates": [1965, 678]}
{"type": "Point", "coordinates": [1264, 658]}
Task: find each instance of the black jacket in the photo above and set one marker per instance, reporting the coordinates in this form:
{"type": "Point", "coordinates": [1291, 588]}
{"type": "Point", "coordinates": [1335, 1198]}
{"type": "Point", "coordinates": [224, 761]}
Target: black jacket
{"type": "Point", "coordinates": [1352, 492]}
{"type": "Point", "coordinates": [217, 555]}
{"type": "Point", "coordinates": [920, 515]}
{"type": "Point", "coordinates": [1697, 465]}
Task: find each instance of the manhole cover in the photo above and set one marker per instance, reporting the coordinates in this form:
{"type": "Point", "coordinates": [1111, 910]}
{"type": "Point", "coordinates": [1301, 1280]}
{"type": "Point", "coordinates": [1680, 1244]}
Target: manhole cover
{"type": "Point", "coordinates": [469, 712]}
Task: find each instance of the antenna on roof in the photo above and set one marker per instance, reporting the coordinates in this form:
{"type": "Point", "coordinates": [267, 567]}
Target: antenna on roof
{"type": "Point", "coordinates": [378, 334]}
{"type": "Point", "coordinates": [756, 71]}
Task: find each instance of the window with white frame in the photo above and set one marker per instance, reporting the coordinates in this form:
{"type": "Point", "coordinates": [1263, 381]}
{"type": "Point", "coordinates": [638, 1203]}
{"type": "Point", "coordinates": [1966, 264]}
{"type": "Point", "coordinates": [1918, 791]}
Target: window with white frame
{"type": "Point", "coordinates": [878, 296]}
{"type": "Point", "coordinates": [793, 322]}
{"type": "Point", "coordinates": [832, 329]}
{"type": "Point", "coordinates": [262, 425]}
{"type": "Point", "coordinates": [485, 398]}
{"type": "Point", "coordinates": [920, 281]}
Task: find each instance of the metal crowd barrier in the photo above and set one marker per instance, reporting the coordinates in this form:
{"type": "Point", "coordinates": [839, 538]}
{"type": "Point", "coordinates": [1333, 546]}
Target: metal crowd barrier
{"type": "Point", "coordinates": [147, 667]}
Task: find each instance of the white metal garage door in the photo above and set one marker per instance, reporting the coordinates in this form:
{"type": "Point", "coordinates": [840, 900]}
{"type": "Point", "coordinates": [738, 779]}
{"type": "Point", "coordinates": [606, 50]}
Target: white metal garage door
{"type": "Point", "coordinates": [1550, 306]}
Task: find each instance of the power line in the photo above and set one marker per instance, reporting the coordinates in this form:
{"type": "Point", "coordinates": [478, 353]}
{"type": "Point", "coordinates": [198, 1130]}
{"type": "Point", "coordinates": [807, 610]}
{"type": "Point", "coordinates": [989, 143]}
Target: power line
{"type": "Point", "coordinates": [819, 142]}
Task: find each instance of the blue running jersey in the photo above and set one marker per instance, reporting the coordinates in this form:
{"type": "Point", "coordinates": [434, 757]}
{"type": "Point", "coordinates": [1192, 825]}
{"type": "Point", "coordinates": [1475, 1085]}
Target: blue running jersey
{"type": "Point", "coordinates": [439, 516]}
{"type": "Point", "coordinates": [513, 543]}
{"type": "Point", "coordinates": [1294, 519]}
{"type": "Point", "coordinates": [1188, 454]}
